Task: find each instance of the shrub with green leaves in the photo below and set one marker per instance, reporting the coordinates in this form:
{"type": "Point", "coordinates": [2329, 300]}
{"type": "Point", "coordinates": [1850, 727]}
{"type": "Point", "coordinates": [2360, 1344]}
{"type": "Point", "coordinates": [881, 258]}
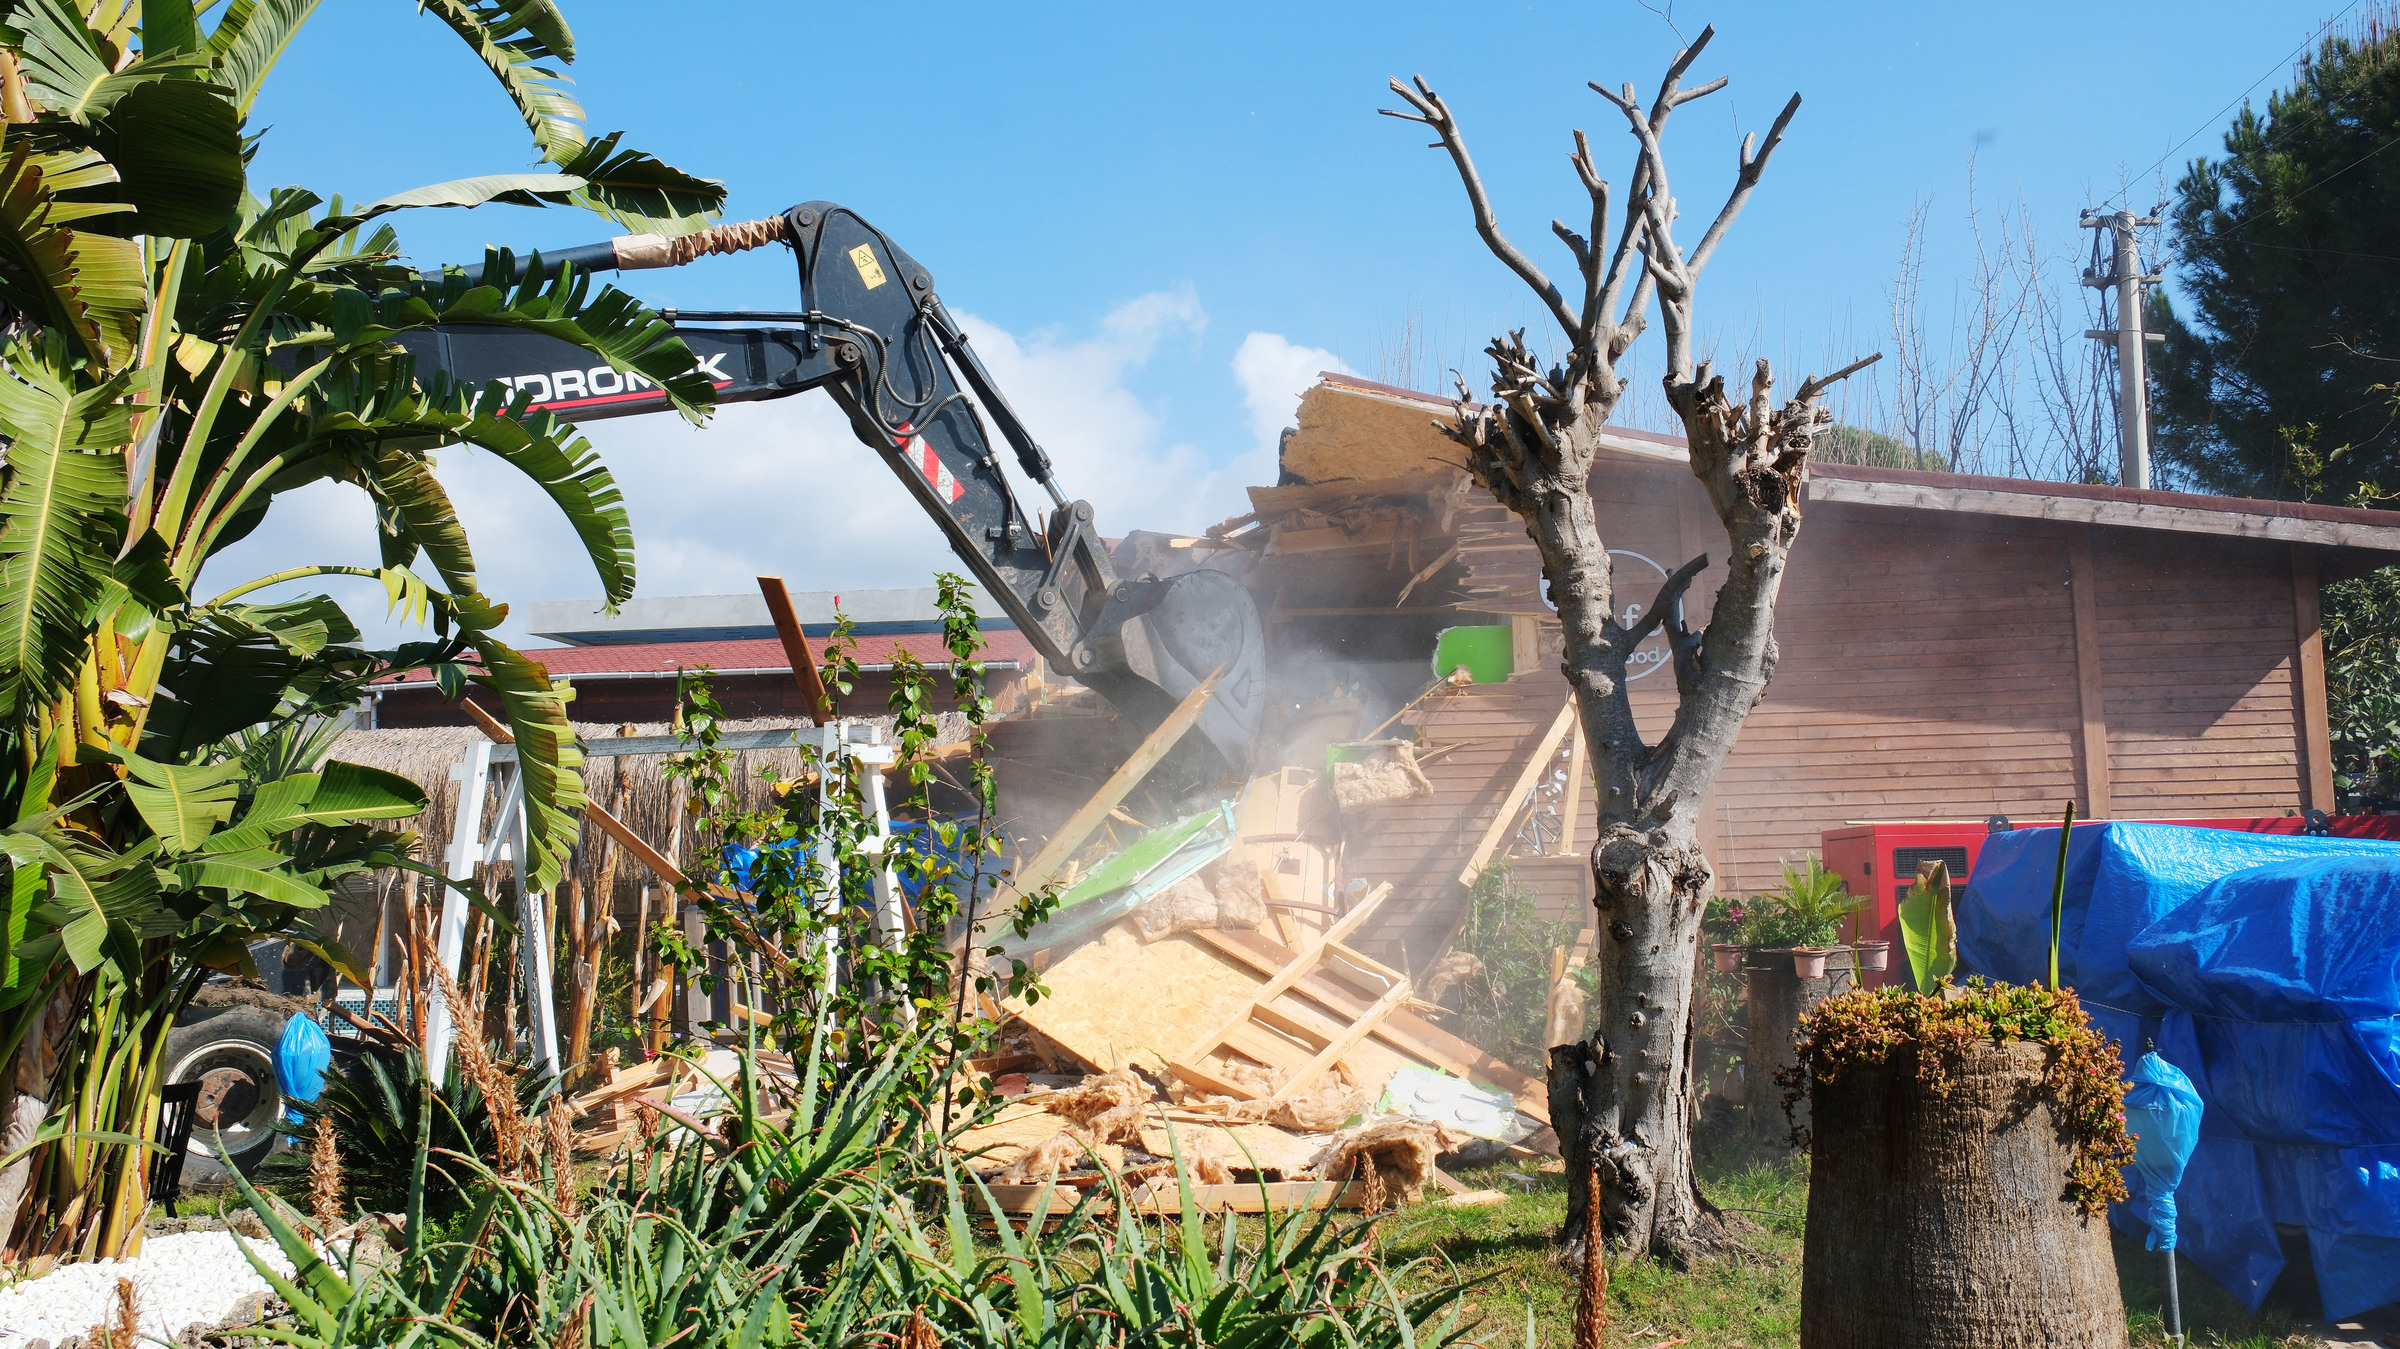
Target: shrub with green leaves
{"type": "Point", "coordinates": [1504, 1007]}
{"type": "Point", "coordinates": [832, 1214]}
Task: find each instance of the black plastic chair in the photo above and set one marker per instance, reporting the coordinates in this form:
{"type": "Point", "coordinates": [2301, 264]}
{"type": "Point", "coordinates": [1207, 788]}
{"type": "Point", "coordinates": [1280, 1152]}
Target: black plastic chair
{"type": "Point", "coordinates": [178, 1103]}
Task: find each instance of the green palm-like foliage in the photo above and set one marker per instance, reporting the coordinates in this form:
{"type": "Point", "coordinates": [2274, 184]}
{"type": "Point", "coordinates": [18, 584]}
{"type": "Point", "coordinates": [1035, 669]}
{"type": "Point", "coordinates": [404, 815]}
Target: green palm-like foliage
{"type": "Point", "coordinates": [181, 351]}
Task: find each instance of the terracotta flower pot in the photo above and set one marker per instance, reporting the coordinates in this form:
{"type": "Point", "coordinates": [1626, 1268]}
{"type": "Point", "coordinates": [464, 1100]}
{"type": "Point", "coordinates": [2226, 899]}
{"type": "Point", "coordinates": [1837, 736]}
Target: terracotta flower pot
{"type": "Point", "coordinates": [1729, 957]}
{"type": "Point", "coordinates": [1874, 955]}
{"type": "Point", "coordinates": [1808, 962]}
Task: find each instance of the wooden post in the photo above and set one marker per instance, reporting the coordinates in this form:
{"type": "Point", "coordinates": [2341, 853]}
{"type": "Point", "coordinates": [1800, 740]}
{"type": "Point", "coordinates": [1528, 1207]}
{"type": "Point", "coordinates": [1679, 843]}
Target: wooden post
{"type": "Point", "coordinates": [795, 646]}
{"type": "Point", "coordinates": [2308, 679]}
{"type": "Point", "coordinates": [2083, 585]}
{"type": "Point", "coordinates": [1570, 806]}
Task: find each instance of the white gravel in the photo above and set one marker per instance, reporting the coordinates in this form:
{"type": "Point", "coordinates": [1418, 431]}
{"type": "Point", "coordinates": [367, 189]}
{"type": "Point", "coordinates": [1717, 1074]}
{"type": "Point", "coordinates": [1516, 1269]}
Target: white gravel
{"type": "Point", "coordinates": [186, 1279]}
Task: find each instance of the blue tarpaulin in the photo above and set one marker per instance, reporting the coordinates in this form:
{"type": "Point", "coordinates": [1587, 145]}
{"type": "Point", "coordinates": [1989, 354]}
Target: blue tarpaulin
{"type": "Point", "coordinates": [301, 1058]}
{"type": "Point", "coordinates": [2267, 968]}
{"type": "Point", "coordinates": [2162, 1109]}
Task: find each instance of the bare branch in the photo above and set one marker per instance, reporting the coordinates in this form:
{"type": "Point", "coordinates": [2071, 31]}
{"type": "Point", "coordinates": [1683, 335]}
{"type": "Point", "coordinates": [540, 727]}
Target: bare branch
{"type": "Point", "coordinates": [1752, 169]}
{"type": "Point", "coordinates": [1817, 384]}
{"type": "Point", "coordinates": [1575, 245]}
{"type": "Point", "coordinates": [1434, 113]}
{"type": "Point", "coordinates": [1670, 591]}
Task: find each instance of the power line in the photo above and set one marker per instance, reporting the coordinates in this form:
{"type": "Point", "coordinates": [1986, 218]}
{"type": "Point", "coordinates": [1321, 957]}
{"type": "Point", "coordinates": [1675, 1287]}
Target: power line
{"type": "Point", "coordinates": [2219, 115]}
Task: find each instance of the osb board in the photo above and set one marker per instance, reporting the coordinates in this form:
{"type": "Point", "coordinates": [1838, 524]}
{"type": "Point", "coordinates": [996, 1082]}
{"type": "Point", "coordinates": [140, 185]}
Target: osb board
{"type": "Point", "coordinates": [1118, 1001]}
{"type": "Point", "coordinates": [1346, 432]}
{"type": "Point", "coordinates": [1262, 1146]}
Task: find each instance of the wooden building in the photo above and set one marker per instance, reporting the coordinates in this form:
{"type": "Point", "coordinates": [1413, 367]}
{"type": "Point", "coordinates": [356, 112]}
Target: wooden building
{"type": "Point", "coordinates": [1951, 647]}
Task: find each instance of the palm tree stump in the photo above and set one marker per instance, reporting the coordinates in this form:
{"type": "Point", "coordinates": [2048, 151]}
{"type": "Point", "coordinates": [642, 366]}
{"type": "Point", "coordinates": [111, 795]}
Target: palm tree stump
{"type": "Point", "coordinates": [1938, 1222]}
{"type": "Point", "coordinates": [1776, 1000]}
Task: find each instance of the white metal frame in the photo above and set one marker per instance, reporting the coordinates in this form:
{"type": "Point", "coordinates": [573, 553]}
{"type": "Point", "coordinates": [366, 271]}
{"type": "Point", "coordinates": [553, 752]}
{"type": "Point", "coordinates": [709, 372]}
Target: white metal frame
{"type": "Point", "coordinates": [474, 774]}
{"type": "Point", "coordinates": [857, 744]}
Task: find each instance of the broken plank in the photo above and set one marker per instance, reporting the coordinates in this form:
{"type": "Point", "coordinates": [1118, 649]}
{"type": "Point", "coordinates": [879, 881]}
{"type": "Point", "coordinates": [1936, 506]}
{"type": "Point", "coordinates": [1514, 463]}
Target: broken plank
{"type": "Point", "coordinates": [1093, 813]}
{"type": "Point", "coordinates": [1402, 1030]}
{"type": "Point", "coordinates": [1358, 1029]}
{"type": "Point", "coordinates": [1290, 974]}
{"type": "Point", "coordinates": [1514, 801]}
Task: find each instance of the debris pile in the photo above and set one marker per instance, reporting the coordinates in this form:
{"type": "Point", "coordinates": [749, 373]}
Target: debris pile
{"type": "Point", "coordinates": [1227, 1018]}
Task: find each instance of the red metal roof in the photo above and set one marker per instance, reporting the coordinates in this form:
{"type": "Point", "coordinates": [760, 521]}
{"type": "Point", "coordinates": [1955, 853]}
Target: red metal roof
{"type": "Point", "coordinates": [662, 659]}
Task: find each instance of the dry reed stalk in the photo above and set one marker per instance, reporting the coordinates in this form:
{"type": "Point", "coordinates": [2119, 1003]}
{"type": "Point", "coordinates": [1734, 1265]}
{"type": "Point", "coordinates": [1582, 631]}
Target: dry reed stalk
{"type": "Point", "coordinates": [325, 1180]}
{"type": "Point", "coordinates": [129, 1319]}
{"type": "Point", "coordinates": [1591, 1301]}
{"type": "Point", "coordinates": [571, 1335]}
{"type": "Point", "coordinates": [417, 944]}
{"type": "Point", "coordinates": [499, 1093]}
{"type": "Point", "coordinates": [562, 1160]}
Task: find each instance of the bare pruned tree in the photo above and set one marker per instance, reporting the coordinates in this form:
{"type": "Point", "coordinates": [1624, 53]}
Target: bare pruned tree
{"type": "Point", "coordinates": [1949, 404]}
{"type": "Point", "coordinates": [1623, 1102]}
{"type": "Point", "coordinates": [2074, 379]}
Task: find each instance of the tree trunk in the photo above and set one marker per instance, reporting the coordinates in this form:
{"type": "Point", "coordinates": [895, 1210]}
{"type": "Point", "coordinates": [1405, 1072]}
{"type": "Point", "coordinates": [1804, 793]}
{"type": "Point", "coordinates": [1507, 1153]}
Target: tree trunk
{"type": "Point", "coordinates": [1935, 1222]}
{"type": "Point", "coordinates": [1778, 998]}
{"type": "Point", "coordinates": [1628, 1123]}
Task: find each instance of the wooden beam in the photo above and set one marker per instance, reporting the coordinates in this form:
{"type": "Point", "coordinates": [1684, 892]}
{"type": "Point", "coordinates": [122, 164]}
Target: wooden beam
{"type": "Point", "coordinates": [1346, 1040]}
{"type": "Point", "coordinates": [1403, 1030]}
{"type": "Point", "coordinates": [2308, 671]}
{"type": "Point", "coordinates": [2083, 586]}
{"type": "Point", "coordinates": [1570, 809]}
{"type": "Point", "coordinates": [1079, 826]}
{"type": "Point", "coordinates": [1534, 764]}
{"type": "Point", "coordinates": [795, 646]}
{"type": "Point", "coordinates": [2036, 505]}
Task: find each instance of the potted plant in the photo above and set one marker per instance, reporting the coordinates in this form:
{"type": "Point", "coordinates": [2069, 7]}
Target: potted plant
{"type": "Point", "coordinates": [1936, 1101]}
{"type": "Point", "coordinates": [1723, 918]}
{"type": "Point", "coordinates": [1804, 916]}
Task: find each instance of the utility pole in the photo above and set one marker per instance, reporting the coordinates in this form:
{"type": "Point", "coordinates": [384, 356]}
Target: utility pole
{"type": "Point", "coordinates": [2124, 273]}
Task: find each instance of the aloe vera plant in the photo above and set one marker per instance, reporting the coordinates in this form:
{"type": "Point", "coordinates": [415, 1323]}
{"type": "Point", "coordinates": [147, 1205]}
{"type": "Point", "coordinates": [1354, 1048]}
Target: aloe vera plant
{"type": "Point", "coordinates": [1928, 927]}
{"type": "Point", "coordinates": [835, 1215]}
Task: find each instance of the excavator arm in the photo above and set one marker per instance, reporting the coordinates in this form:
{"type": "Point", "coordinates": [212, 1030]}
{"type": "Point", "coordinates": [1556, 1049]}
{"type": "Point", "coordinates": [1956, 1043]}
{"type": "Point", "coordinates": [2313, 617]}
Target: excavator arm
{"type": "Point", "coordinates": [872, 333]}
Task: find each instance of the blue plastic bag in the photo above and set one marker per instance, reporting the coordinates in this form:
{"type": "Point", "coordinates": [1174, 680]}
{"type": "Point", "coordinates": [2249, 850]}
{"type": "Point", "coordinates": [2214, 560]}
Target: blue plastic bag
{"type": "Point", "coordinates": [301, 1058]}
{"type": "Point", "coordinates": [2162, 1109]}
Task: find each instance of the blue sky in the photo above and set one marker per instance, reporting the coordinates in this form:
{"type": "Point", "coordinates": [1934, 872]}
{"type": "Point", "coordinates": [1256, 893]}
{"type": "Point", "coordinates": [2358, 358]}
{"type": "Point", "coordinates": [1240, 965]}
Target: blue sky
{"type": "Point", "coordinates": [1162, 219]}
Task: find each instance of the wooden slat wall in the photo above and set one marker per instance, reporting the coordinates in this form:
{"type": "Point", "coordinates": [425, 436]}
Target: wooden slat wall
{"type": "Point", "coordinates": [2197, 653]}
{"type": "Point", "coordinates": [1927, 671]}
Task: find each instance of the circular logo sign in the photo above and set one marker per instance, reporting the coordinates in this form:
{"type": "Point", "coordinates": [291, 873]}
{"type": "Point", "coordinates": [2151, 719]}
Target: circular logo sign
{"type": "Point", "coordinates": [1653, 654]}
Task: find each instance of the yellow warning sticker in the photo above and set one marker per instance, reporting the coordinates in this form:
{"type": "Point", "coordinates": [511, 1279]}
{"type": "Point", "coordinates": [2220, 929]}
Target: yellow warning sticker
{"type": "Point", "coordinates": [869, 270]}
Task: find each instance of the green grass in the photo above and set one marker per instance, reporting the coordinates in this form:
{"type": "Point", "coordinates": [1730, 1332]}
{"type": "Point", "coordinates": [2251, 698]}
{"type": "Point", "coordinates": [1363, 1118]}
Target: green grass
{"type": "Point", "coordinates": [1748, 1304]}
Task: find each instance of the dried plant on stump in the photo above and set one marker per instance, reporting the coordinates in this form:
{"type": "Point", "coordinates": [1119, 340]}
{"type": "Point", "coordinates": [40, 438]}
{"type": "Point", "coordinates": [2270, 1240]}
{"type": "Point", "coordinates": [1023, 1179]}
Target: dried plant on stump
{"type": "Point", "coordinates": [1623, 1102]}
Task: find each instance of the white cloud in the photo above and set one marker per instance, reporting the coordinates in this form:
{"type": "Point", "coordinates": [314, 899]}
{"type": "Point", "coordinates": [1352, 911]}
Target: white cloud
{"type": "Point", "coordinates": [783, 487]}
{"type": "Point", "coordinates": [1274, 372]}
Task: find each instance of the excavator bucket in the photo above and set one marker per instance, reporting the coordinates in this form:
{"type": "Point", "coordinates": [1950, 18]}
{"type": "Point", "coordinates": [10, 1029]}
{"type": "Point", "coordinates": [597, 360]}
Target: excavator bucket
{"type": "Point", "coordinates": [1197, 624]}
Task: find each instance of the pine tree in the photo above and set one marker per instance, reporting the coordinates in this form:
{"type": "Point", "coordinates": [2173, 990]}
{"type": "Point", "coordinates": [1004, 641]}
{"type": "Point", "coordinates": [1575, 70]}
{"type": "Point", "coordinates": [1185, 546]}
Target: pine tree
{"type": "Point", "coordinates": [2283, 383]}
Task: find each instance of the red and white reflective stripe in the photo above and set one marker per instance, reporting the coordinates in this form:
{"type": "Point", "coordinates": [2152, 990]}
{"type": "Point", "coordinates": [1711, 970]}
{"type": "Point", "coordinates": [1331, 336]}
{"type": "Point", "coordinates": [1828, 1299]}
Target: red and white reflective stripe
{"type": "Point", "coordinates": [931, 465]}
